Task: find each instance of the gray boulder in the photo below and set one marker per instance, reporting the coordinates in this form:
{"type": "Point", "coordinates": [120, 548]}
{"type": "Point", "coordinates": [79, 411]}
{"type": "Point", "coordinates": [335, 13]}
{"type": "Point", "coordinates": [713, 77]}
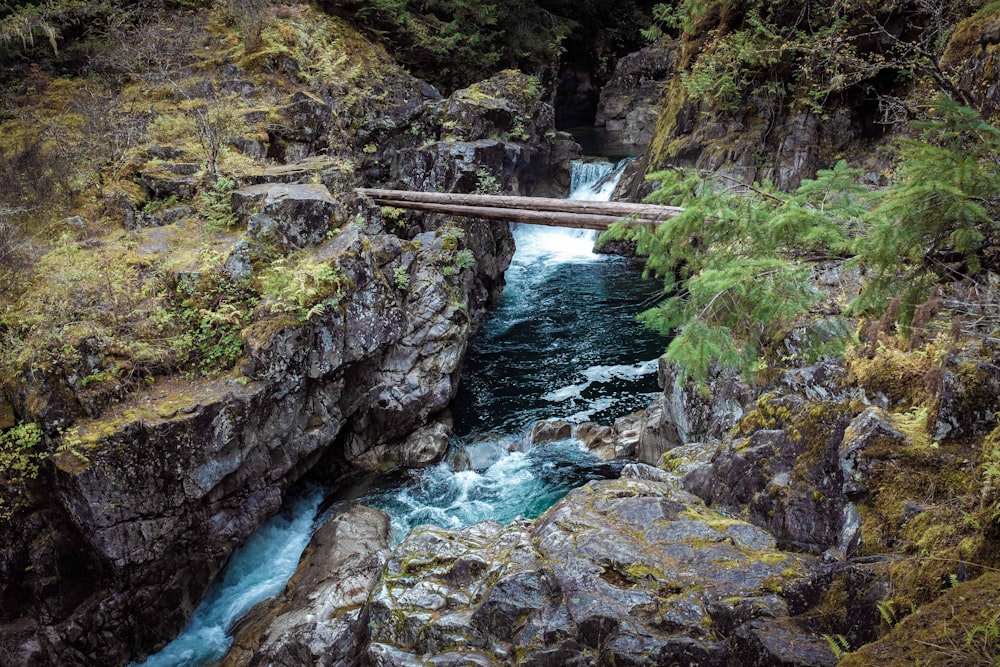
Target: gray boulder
{"type": "Point", "coordinates": [288, 215]}
{"type": "Point", "coordinates": [318, 618]}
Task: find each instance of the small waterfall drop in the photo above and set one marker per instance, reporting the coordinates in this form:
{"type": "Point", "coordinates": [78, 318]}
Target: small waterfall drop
{"type": "Point", "coordinates": [562, 343]}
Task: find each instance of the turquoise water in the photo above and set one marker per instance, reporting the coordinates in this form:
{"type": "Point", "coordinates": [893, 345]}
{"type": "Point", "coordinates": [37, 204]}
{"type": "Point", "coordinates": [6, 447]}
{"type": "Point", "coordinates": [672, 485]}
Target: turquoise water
{"type": "Point", "coordinates": [257, 571]}
{"type": "Point", "coordinates": [561, 343]}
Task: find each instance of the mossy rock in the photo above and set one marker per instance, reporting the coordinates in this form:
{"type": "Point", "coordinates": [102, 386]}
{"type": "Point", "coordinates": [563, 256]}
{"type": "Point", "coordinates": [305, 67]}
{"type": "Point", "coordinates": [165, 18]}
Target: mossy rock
{"type": "Point", "coordinates": [971, 35]}
{"type": "Point", "coordinates": [959, 628]}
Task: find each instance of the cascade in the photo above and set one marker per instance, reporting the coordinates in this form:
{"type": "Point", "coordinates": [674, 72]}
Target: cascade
{"type": "Point", "coordinates": [561, 343]}
{"type": "Point", "coordinates": [545, 353]}
{"type": "Point", "coordinates": [257, 571]}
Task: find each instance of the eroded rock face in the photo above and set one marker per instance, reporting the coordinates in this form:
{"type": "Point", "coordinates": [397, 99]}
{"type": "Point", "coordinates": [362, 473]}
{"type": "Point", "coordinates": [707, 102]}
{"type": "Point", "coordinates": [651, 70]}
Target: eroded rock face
{"type": "Point", "coordinates": [630, 102]}
{"type": "Point", "coordinates": [631, 571]}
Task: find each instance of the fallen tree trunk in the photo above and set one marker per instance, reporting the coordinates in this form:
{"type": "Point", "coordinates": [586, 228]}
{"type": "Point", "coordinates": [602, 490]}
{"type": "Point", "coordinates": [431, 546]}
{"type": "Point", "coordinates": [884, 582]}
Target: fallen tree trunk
{"type": "Point", "coordinates": [549, 218]}
{"type": "Point", "coordinates": [534, 210]}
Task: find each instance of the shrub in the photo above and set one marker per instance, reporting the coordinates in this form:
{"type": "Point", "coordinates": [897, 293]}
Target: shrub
{"type": "Point", "coordinates": [306, 287]}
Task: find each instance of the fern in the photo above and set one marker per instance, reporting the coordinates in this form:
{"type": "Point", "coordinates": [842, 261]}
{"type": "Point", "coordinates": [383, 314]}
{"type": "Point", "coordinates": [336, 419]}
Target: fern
{"type": "Point", "coordinates": [307, 288]}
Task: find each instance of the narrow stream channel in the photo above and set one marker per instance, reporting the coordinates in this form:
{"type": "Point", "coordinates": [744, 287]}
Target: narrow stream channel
{"type": "Point", "coordinates": [562, 343]}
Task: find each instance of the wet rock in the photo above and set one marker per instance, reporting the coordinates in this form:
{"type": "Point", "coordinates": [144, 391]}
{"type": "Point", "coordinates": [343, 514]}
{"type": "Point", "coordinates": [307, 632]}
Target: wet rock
{"type": "Point", "coordinates": [479, 454]}
{"type": "Point", "coordinates": [166, 216]}
{"type": "Point", "coordinates": [548, 431]}
{"type": "Point", "coordinates": [496, 135]}
{"type": "Point", "coordinates": [869, 432]}
{"type": "Point", "coordinates": [426, 445]}
{"type": "Point", "coordinates": [785, 477]}
{"type": "Point", "coordinates": [629, 571]}
{"type": "Point", "coordinates": [288, 215]}
{"type": "Point", "coordinates": [238, 263]}
{"type": "Point", "coordinates": [630, 101]}
{"type": "Point", "coordinates": [318, 619]}
{"type": "Point", "coordinates": [684, 414]}
{"type": "Point", "coordinates": [171, 482]}
{"type": "Point", "coordinates": [602, 440]}
{"type": "Point", "coordinates": [302, 131]}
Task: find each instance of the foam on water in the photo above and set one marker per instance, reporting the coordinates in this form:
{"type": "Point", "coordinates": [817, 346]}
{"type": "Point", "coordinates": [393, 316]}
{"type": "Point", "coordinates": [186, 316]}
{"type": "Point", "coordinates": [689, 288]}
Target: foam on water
{"type": "Point", "coordinates": [258, 570]}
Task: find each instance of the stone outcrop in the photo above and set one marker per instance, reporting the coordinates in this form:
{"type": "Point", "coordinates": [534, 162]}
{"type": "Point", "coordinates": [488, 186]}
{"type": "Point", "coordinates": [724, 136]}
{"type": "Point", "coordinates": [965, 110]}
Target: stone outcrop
{"type": "Point", "coordinates": [684, 414]}
{"type": "Point", "coordinates": [629, 104]}
{"type": "Point", "coordinates": [151, 498]}
{"type": "Point", "coordinates": [320, 618]}
{"type": "Point", "coordinates": [631, 571]}
{"type": "Point", "coordinates": [496, 135]}
{"type": "Point", "coordinates": [289, 216]}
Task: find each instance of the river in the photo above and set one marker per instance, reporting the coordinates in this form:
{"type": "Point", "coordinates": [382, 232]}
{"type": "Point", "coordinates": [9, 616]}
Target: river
{"type": "Point", "coordinates": [562, 343]}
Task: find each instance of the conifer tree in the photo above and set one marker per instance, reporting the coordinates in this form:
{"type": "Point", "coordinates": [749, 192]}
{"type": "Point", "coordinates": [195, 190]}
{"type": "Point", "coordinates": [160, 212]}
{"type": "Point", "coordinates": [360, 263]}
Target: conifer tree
{"type": "Point", "coordinates": [736, 263]}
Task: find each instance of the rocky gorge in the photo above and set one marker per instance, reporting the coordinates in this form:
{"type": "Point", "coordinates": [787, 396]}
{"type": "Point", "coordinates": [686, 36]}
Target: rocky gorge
{"type": "Point", "coordinates": [822, 507]}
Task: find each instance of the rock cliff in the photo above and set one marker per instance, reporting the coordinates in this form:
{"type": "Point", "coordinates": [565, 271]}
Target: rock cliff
{"type": "Point", "coordinates": [358, 344]}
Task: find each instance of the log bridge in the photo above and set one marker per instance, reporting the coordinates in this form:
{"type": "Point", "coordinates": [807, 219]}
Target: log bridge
{"type": "Point", "coordinates": [533, 210]}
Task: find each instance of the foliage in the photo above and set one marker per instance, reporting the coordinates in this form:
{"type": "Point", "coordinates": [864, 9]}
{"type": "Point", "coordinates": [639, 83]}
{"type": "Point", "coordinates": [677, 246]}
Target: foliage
{"type": "Point", "coordinates": [20, 454]}
{"type": "Point", "coordinates": [45, 20]}
{"type": "Point", "coordinates": [487, 183]}
{"type": "Point", "coordinates": [735, 263]}
{"type": "Point", "coordinates": [246, 15]}
{"type": "Point", "coordinates": [761, 54]}
{"type": "Point", "coordinates": [218, 120]}
{"type": "Point", "coordinates": [455, 42]}
{"type": "Point", "coordinates": [306, 287]}
{"type": "Point", "coordinates": [464, 259]}
{"type": "Point", "coordinates": [207, 319]}
{"type": "Point", "coordinates": [401, 277]}
{"type": "Point", "coordinates": [936, 220]}
{"type": "Point", "coordinates": [215, 204]}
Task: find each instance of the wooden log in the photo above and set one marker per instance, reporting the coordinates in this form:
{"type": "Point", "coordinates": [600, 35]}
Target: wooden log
{"type": "Point", "coordinates": [549, 218]}
{"type": "Point", "coordinates": [647, 212]}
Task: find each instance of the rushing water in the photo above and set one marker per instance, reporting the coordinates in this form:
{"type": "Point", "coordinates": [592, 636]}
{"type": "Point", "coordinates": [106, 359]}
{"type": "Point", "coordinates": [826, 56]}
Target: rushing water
{"type": "Point", "coordinates": [561, 343]}
{"type": "Point", "coordinates": [258, 570]}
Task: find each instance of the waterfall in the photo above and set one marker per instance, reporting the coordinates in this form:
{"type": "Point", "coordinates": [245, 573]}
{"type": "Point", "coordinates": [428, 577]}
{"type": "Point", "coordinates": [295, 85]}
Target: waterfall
{"type": "Point", "coordinates": [541, 248]}
{"type": "Point", "coordinates": [595, 181]}
{"type": "Point", "coordinates": [545, 352]}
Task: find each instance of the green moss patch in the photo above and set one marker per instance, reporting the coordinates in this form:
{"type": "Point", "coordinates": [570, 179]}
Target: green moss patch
{"type": "Point", "coordinates": [959, 629]}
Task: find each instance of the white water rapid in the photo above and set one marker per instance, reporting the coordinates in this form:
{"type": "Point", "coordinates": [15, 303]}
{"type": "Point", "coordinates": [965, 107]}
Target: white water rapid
{"type": "Point", "coordinates": [561, 343]}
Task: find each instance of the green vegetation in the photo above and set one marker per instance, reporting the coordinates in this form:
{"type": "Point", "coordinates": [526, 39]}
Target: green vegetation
{"type": "Point", "coordinates": [306, 287]}
{"type": "Point", "coordinates": [455, 42]}
{"type": "Point", "coordinates": [452, 43]}
{"type": "Point", "coordinates": [805, 54]}
{"type": "Point", "coordinates": [736, 263]}
{"type": "Point", "coordinates": [20, 454]}
{"type": "Point", "coordinates": [215, 204]}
